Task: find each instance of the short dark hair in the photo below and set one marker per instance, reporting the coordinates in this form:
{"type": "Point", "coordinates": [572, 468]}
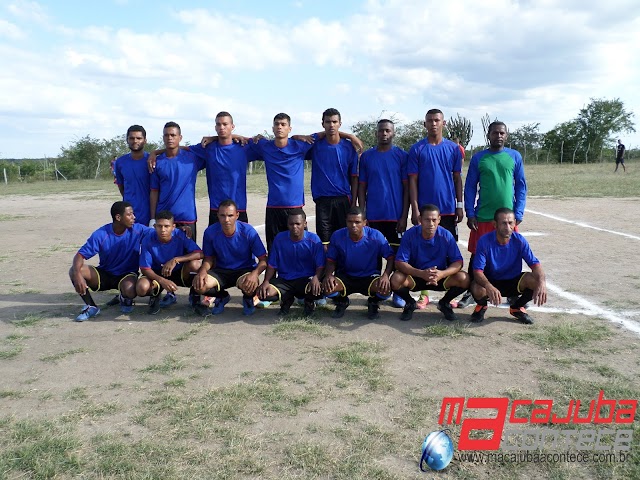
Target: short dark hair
{"type": "Point", "coordinates": [164, 215]}
{"type": "Point", "coordinates": [429, 207]}
{"type": "Point", "coordinates": [137, 128]}
{"type": "Point", "coordinates": [356, 211]}
{"type": "Point", "coordinates": [173, 125]}
{"type": "Point", "coordinates": [228, 203]}
{"type": "Point", "coordinates": [330, 112]}
{"type": "Point", "coordinates": [118, 208]}
{"type": "Point", "coordinates": [497, 123]}
{"type": "Point", "coordinates": [434, 111]}
{"type": "Point", "coordinates": [224, 114]}
{"type": "Point", "coordinates": [297, 211]}
{"type": "Point", "coordinates": [500, 211]}
{"type": "Point", "coordinates": [385, 120]}
{"type": "Point", "coordinates": [282, 116]}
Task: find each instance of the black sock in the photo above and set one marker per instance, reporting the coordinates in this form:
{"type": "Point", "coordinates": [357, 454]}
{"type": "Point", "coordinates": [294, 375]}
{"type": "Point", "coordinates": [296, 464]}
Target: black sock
{"type": "Point", "coordinates": [375, 300]}
{"type": "Point", "coordinates": [88, 299]}
{"type": "Point", "coordinates": [452, 293]}
{"type": "Point", "coordinates": [273, 298]}
{"type": "Point", "coordinates": [482, 302]}
{"type": "Point", "coordinates": [212, 292]}
{"type": "Point", "coordinates": [525, 298]}
{"type": "Point", "coordinates": [404, 293]}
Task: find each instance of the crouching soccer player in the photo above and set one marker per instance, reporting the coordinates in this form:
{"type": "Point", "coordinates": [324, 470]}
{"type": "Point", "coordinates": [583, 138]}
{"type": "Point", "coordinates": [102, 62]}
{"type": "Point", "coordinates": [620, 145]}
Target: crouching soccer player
{"type": "Point", "coordinates": [298, 257]}
{"type": "Point", "coordinates": [352, 265]}
{"type": "Point", "coordinates": [429, 259]}
{"type": "Point", "coordinates": [168, 259]}
{"type": "Point", "coordinates": [497, 268]}
{"type": "Point", "coordinates": [118, 246]}
{"type": "Point", "coordinates": [230, 248]}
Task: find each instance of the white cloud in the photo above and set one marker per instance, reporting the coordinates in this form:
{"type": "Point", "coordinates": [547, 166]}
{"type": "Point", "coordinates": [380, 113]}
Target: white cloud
{"type": "Point", "coordinates": [10, 31]}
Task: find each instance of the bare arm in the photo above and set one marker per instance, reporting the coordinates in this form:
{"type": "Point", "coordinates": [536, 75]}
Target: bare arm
{"type": "Point", "coordinates": [121, 188]}
{"type": "Point", "coordinates": [413, 199]}
{"type": "Point", "coordinates": [329, 281]}
{"type": "Point", "coordinates": [402, 223]}
{"type": "Point", "coordinates": [354, 190]}
{"type": "Point", "coordinates": [362, 195]}
{"type": "Point", "coordinates": [153, 203]}
{"type": "Point", "coordinates": [492, 292]}
{"type": "Point", "coordinates": [540, 292]}
{"type": "Point", "coordinates": [168, 267]}
{"type": "Point", "coordinates": [79, 282]}
{"type": "Point", "coordinates": [457, 181]}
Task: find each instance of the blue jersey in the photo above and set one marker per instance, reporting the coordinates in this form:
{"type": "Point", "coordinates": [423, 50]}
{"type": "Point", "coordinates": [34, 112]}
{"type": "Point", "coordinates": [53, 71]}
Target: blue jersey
{"type": "Point", "coordinates": [296, 259]}
{"type": "Point", "coordinates": [175, 178]}
{"type": "Point", "coordinates": [154, 253]}
{"type": "Point", "coordinates": [285, 171]}
{"type": "Point", "coordinates": [434, 165]}
{"type": "Point", "coordinates": [358, 259]}
{"type": "Point", "coordinates": [118, 253]}
{"type": "Point", "coordinates": [235, 252]}
{"type": "Point", "coordinates": [502, 262]}
{"type": "Point", "coordinates": [226, 172]}
{"type": "Point", "coordinates": [134, 176]}
{"type": "Point", "coordinates": [440, 251]}
{"type": "Point", "coordinates": [332, 168]}
{"type": "Point", "coordinates": [384, 174]}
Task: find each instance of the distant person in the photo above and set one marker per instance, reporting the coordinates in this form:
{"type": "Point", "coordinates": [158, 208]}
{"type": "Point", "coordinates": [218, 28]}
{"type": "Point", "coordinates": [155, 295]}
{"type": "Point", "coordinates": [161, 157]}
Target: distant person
{"type": "Point", "coordinates": [173, 182]}
{"type": "Point", "coordinates": [168, 260]}
{"type": "Point", "coordinates": [230, 250]}
{"type": "Point", "coordinates": [383, 188]}
{"type": "Point", "coordinates": [352, 265]}
{"type": "Point", "coordinates": [112, 167]}
{"type": "Point", "coordinates": [132, 176]}
{"type": "Point", "coordinates": [620, 149]}
{"type": "Point", "coordinates": [457, 140]}
{"type": "Point", "coordinates": [497, 266]}
{"type": "Point", "coordinates": [496, 178]}
{"type": "Point", "coordinates": [298, 258]}
{"type": "Point", "coordinates": [118, 246]}
{"type": "Point", "coordinates": [429, 259]}
{"type": "Point", "coordinates": [435, 165]}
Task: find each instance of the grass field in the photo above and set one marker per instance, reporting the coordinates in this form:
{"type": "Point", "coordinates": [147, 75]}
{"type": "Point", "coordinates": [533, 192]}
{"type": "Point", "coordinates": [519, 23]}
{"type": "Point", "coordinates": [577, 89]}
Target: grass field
{"type": "Point", "coordinates": [187, 398]}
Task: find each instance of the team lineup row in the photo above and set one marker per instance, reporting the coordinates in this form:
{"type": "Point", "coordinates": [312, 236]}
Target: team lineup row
{"type": "Point", "coordinates": [233, 255]}
{"type": "Point", "coordinates": [429, 174]}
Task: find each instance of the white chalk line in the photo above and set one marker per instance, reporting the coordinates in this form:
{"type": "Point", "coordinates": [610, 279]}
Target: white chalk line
{"type": "Point", "coordinates": [582, 224]}
{"type": "Point", "coordinates": [587, 307]}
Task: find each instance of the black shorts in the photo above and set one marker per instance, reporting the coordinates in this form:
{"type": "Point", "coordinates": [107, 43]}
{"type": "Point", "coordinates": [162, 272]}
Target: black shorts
{"type": "Point", "coordinates": [360, 285]}
{"type": "Point", "coordinates": [619, 160]}
{"type": "Point", "coordinates": [331, 215]}
{"type": "Point", "coordinates": [291, 288]}
{"type": "Point", "coordinates": [275, 221]}
{"type": "Point", "coordinates": [227, 278]}
{"type": "Point", "coordinates": [390, 232]}
{"type": "Point", "coordinates": [448, 222]}
{"type": "Point", "coordinates": [213, 217]}
{"type": "Point", "coordinates": [420, 284]}
{"type": "Point", "coordinates": [192, 227]}
{"type": "Point", "coordinates": [176, 277]}
{"type": "Point", "coordinates": [109, 281]}
{"type": "Point", "coordinates": [510, 287]}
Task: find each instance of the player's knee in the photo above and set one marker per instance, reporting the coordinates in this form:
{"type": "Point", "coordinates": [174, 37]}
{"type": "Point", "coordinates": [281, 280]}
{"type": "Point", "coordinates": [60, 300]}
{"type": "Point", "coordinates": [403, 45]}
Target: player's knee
{"type": "Point", "coordinates": [397, 280]}
{"type": "Point", "coordinates": [461, 279]}
{"type": "Point", "coordinates": [128, 289]}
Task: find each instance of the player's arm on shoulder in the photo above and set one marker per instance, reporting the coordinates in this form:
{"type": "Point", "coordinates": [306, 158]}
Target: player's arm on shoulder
{"type": "Point", "coordinates": [357, 143]}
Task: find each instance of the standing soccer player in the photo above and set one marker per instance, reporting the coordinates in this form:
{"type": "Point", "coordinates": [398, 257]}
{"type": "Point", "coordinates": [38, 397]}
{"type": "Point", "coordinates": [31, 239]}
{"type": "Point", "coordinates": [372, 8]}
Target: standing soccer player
{"type": "Point", "coordinates": [620, 149]}
{"type": "Point", "coordinates": [173, 182]}
{"type": "Point", "coordinates": [132, 176]}
{"type": "Point", "coordinates": [435, 164]}
{"type": "Point", "coordinates": [496, 178]}
{"type": "Point", "coordinates": [118, 246]}
{"type": "Point", "coordinates": [383, 172]}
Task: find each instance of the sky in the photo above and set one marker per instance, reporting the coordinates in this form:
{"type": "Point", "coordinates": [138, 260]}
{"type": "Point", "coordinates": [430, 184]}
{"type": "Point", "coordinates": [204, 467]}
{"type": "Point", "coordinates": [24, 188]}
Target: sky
{"type": "Point", "coordinates": [75, 68]}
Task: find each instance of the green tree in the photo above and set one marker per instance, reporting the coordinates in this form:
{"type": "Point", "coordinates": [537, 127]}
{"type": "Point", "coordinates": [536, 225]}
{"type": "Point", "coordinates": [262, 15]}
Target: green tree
{"type": "Point", "coordinates": [406, 134]}
{"type": "Point", "coordinates": [460, 128]}
{"type": "Point", "coordinates": [527, 139]}
{"type": "Point", "coordinates": [563, 141]}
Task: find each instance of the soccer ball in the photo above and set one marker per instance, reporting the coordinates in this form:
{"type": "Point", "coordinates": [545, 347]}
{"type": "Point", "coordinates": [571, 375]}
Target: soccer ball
{"type": "Point", "coordinates": [437, 451]}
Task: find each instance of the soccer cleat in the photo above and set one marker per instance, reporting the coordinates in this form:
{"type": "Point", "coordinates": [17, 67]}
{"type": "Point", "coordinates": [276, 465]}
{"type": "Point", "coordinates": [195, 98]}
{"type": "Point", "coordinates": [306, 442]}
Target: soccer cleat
{"type": "Point", "coordinates": [423, 301]}
{"type": "Point", "coordinates": [126, 304]}
{"type": "Point", "coordinates": [447, 310]}
{"type": "Point", "coordinates": [466, 300]}
{"type": "Point", "coordinates": [398, 302]}
{"type": "Point", "coordinates": [168, 299]}
{"type": "Point", "coordinates": [407, 312]}
{"type": "Point", "coordinates": [154, 304]}
{"type": "Point", "coordinates": [478, 313]}
{"type": "Point", "coordinates": [248, 308]}
{"type": "Point", "coordinates": [113, 302]}
{"type": "Point", "coordinates": [341, 307]}
{"type": "Point", "coordinates": [218, 305]}
{"type": "Point", "coordinates": [521, 315]}
{"type": "Point", "coordinates": [285, 307]}
{"type": "Point", "coordinates": [372, 310]}
{"type": "Point", "coordinates": [309, 307]}
{"type": "Point", "coordinates": [262, 304]}
{"type": "Point", "coordinates": [89, 311]}
{"type": "Point", "coordinates": [201, 309]}
{"type": "Point", "coordinates": [320, 302]}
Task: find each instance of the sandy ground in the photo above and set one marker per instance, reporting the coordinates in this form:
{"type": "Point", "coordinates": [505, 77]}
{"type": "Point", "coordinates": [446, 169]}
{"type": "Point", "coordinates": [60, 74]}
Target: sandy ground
{"type": "Point", "coordinates": [37, 246]}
